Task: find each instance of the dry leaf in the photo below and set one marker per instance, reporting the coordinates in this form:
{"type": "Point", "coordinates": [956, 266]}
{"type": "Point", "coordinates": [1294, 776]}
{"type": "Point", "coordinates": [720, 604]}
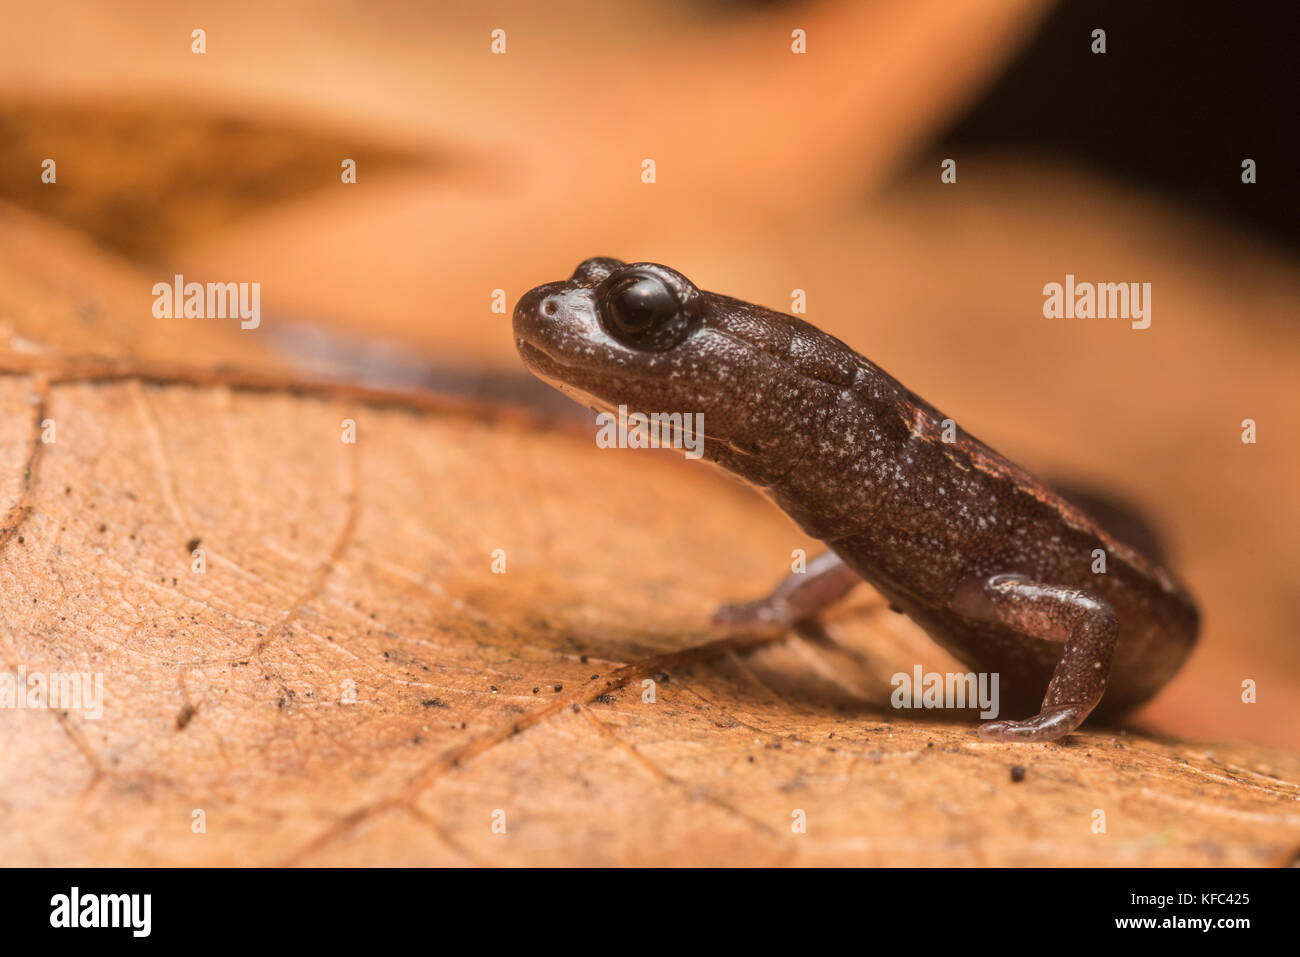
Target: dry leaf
{"type": "Point", "coordinates": [337, 572]}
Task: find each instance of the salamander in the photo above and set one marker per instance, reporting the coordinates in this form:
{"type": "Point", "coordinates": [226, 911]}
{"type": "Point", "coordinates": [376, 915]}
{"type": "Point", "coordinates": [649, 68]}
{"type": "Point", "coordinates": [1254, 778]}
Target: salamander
{"type": "Point", "coordinates": [995, 565]}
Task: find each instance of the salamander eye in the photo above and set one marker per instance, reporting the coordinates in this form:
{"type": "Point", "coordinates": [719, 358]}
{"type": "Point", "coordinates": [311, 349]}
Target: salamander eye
{"type": "Point", "coordinates": [640, 310]}
{"type": "Point", "coordinates": [638, 304]}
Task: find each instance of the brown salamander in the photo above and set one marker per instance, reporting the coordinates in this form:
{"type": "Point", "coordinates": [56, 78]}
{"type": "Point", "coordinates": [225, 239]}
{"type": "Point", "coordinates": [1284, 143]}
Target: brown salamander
{"type": "Point", "coordinates": [995, 565]}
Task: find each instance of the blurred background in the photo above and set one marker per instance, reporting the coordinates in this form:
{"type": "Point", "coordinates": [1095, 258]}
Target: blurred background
{"type": "Point", "coordinates": [775, 171]}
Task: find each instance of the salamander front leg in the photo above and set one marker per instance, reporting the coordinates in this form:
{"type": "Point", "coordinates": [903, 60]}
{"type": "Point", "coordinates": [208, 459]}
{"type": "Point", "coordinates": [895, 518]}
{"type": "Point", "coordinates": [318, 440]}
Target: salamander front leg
{"type": "Point", "coordinates": [1084, 624]}
{"type": "Point", "coordinates": [799, 597]}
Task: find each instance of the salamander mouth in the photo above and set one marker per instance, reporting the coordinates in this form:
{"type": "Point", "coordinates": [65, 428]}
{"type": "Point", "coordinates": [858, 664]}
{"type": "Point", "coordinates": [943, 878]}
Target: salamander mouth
{"type": "Point", "coordinates": [528, 351]}
{"type": "Point", "coordinates": [535, 354]}
{"type": "Point", "coordinates": [557, 374]}
{"type": "Point", "coordinates": [541, 361]}
{"type": "Point", "coordinates": [565, 377]}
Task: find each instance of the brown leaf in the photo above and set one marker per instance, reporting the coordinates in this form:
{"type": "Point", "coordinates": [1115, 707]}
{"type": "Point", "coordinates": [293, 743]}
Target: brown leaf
{"type": "Point", "coordinates": [141, 176]}
{"type": "Point", "coordinates": [228, 691]}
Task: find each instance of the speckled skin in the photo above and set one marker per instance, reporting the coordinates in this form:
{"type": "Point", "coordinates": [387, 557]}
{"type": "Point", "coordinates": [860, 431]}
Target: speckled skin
{"type": "Point", "coordinates": [992, 563]}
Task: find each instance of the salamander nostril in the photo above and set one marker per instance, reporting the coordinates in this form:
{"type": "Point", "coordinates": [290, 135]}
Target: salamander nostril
{"type": "Point", "coordinates": [549, 307]}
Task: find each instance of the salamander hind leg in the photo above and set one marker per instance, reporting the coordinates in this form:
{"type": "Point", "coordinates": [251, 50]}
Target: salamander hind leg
{"type": "Point", "coordinates": [799, 597]}
{"type": "Point", "coordinates": [1083, 624]}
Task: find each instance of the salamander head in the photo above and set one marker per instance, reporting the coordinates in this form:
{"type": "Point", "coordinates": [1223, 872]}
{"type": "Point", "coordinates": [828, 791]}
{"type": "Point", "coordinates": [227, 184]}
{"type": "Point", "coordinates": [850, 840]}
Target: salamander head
{"type": "Point", "coordinates": [613, 333]}
{"type": "Point", "coordinates": [644, 335]}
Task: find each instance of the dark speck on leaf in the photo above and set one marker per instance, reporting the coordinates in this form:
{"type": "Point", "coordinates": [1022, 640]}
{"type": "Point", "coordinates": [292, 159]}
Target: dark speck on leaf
{"type": "Point", "coordinates": [559, 687]}
{"type": "Point", "coordinates": [583, 659]}
{"type": "Point", "coordinates": [535, 690]}
{"type": "Point", "coordinates": [186, 713]}
{"type": "Point", "coordinates": [434, 703]}
{"type": "Point", "coordinates": [193, 543]}
{"type": "Point", "coordinates": [1017, 773]}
